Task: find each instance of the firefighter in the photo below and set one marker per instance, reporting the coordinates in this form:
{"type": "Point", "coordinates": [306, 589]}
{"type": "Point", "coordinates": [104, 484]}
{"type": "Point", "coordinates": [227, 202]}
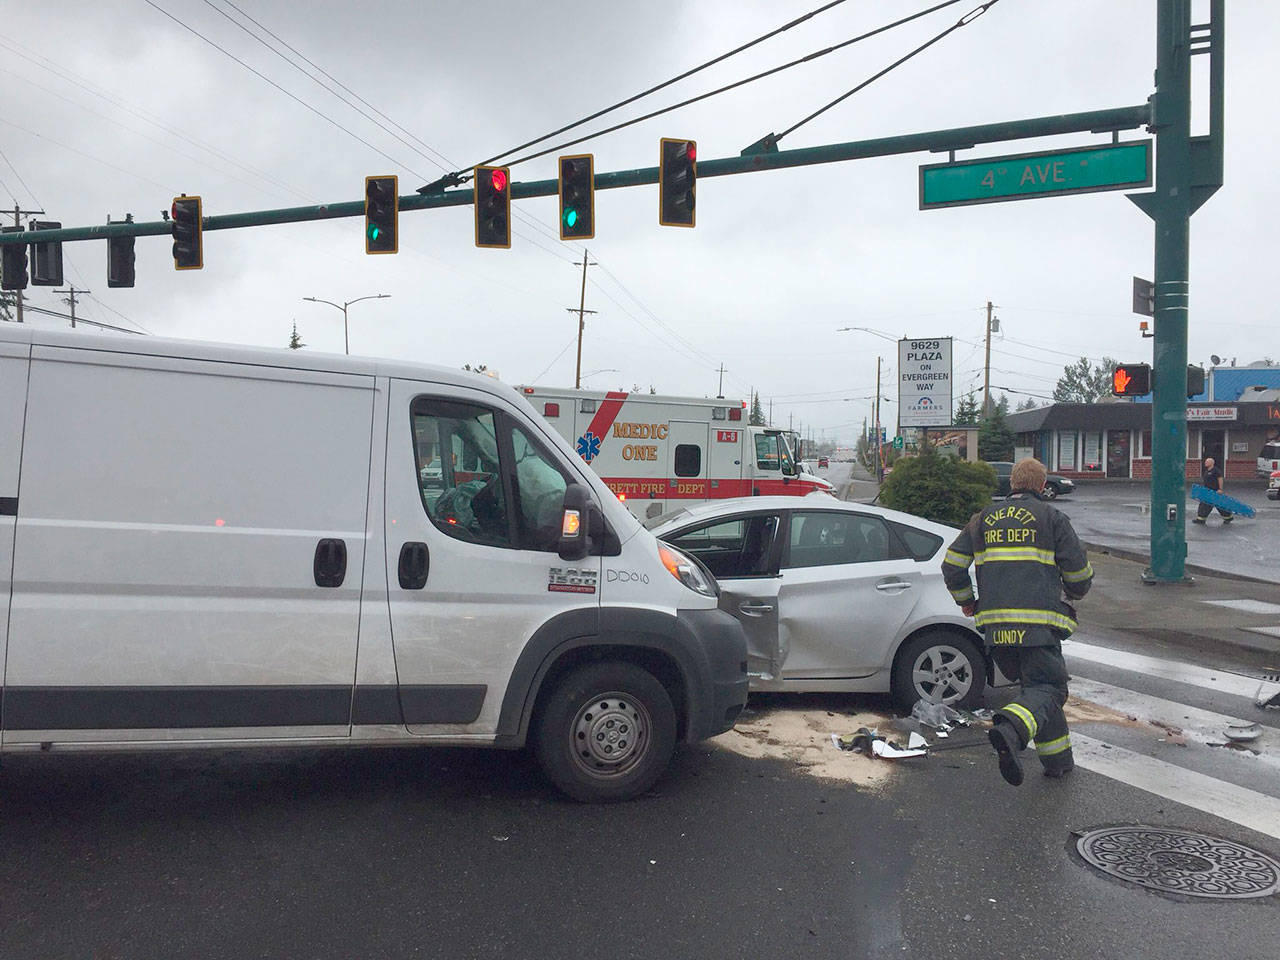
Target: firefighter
{"type": "Point", "coordinates": [1027, 558]}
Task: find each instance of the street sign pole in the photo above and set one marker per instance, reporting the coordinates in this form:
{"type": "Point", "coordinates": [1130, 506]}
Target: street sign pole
{"type": "Point", "coordinates": [1185, 178]}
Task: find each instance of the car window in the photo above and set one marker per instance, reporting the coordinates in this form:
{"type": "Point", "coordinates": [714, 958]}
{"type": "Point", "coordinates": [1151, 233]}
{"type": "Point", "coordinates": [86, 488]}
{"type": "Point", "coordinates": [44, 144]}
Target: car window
{"type": "Point", "coordinates": [740, 547]}
{"type": "Point", "coordinates": [920, 544]}
{"type": "Point", "coordinates": [822, 538]}
{"type": "Point", "coordinates": [767, 452]}
{"type": "Point", "coordinates": [464, 495]}
{"type": "Point", "coordinates": [539, 493]}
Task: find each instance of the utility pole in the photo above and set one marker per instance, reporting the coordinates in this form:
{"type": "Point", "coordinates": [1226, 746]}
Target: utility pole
{"type": "Point", "coordinates": [986, 370]}
{"type": "Point", "coordinates": [580, 310]}
{"type": "Point", "coordinates": [720, 389]}
{"type": "Point", "coordinates": [879, 462]}
{"type": "Point", "coordinates": [70, 300]}
{"type": "Point", "coordinates": [17, 222]}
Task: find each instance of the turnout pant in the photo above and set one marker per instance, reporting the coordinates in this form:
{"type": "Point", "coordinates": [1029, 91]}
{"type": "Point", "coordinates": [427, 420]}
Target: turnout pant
{"type": "Point", "coordinates": [1036, 713]}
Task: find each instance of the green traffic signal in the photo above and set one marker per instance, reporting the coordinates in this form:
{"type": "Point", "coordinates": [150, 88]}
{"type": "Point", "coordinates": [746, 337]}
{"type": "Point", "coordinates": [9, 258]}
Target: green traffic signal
{"type": "Point", "coordinates": [577, 197]}
{"type": "Point", "coordinates": [381, 214]}
{"type": "Point", "coordinates": [570, 218]}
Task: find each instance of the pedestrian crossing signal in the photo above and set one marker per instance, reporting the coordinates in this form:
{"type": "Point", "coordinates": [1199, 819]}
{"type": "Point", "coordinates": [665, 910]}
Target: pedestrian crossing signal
{"type": "Point", "coordinates": [1131, 380]}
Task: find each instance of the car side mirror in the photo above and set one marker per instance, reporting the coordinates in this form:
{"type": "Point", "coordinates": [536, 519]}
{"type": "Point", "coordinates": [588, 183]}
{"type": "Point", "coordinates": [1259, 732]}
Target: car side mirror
{"type": "Point", "coordinates": [580, 520]}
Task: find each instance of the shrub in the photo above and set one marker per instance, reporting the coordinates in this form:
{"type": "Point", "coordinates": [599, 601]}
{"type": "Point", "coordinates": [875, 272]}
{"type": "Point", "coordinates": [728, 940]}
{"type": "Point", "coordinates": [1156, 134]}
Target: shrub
{"type": "Point", "coordinates": [938, 487]}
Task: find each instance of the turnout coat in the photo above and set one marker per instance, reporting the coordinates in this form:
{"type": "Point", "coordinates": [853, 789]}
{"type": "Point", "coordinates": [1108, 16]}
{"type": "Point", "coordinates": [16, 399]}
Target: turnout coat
{"type": "Point", "coordinates": [1027, 558]}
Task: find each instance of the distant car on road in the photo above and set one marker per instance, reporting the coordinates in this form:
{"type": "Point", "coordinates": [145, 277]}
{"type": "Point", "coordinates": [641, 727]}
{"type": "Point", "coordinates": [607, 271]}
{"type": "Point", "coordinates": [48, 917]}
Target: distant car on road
{"type": "Point", "coordinates": [836, 596]}
{"type": "Point", "coordinates": [823, 462]}
{"type": "Point", "coordinates": [1054, 485]}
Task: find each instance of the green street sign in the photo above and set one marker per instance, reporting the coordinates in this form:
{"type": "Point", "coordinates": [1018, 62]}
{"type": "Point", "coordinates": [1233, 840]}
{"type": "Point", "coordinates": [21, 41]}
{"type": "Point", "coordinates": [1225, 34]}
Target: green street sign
{"type": "Point", "coordinates": [1052, 173]}
{"type": "Point", "coordinates": [897, 443]}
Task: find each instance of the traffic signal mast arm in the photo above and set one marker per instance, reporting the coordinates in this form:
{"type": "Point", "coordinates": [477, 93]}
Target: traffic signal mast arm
{"type": "Point", "coordinates": [936, 141]}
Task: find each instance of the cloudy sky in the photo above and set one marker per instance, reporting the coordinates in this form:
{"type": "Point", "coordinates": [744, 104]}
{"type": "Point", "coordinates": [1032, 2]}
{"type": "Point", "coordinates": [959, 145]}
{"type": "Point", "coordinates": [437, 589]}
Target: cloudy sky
{"type": "Point", "coordinates": [113, 108]}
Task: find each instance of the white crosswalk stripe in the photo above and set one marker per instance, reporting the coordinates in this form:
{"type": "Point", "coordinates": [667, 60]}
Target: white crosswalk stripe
{"type": "Point", "coordinates": [1150, 706]}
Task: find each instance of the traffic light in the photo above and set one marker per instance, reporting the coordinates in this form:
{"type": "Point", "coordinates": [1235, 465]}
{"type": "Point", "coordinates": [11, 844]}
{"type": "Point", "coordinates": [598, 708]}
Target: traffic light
{"type": "Point", "coordinates": [120, 259]}
{"type": "Point", "coordinates": [381, 214]}
{"type": "Point", "coordinates": [677, 183]}
{"type": "Point", "coordinates": [13, 263]}
{"type": "Point", "coordinates": [493, 206]}
{"type": "Point", "coordinates": [1131, 380]}
{"type": "Point", "coordinates": [1195, 381]}
{"type": "Point", "coordinates": [188, 233]}
{"type": "Point", "coordinates": [46, 258]}
{"type": "Point", "coordinates": [577, 197]}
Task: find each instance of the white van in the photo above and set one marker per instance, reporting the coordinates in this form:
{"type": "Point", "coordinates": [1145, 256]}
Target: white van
{"type": "Point", "coordinates": [209, 545]}
{"type": "Point", "coordinates": [1269, 458]}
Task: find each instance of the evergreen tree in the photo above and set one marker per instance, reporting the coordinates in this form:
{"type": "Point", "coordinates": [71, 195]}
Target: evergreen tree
{"type": "Point", "coordinates": [756, 417]}
{"type": "Point", "coordinates": [295, 341]}
{"type": "Point", "coordinates": [995, 439]}
{"type": "Point", "coordinates": [1082, 382]}
{"type": "Point", "coordinates": [1027, 404]}
{"type": "Point", "coordinates": [967, 412]}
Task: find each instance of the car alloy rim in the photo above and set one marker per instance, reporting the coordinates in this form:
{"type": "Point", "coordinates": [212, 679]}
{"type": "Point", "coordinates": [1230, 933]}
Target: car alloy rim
{"type": "Point", "coordinates": [609, 735]}
{"type": "Point", "coordinates": [942, 674]}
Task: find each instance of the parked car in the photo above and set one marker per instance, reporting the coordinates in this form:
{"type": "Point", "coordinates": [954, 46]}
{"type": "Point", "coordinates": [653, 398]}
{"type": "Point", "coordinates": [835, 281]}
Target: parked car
{"type": "Point", "coordinates": [1269, 458]}
{"type": "Point", "coordinates": [823, 462]}
{"type": "Point", "coordinates": [1054, 485]}
{"type": "Point", "coordinates": [836, 596]}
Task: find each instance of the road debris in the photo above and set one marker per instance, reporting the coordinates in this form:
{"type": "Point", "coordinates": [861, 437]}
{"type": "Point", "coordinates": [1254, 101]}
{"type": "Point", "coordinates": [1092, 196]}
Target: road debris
{"type": "Point", "coordinates": [1243, 733]}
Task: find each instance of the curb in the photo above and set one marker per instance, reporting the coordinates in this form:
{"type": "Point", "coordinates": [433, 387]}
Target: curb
{"type": "Point", "coordinates": [1194, 568]}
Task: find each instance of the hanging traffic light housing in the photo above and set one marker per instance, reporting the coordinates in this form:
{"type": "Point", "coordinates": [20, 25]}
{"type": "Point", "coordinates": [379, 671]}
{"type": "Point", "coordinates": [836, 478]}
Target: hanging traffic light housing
{"type": "Point", "coordinates": [120, 262]}
{"type": "Point", "coordinates": [577, 197]}
{"type": "Point", "coordinates": [1131, 380]}
{"type": "Point", "coordinates": [381, 214]}
{"type": "Point", "coordinates": [188, 233]}
{"type": "Point", "coordinates": [13, 263]}
{"type": "Point", "coordinates": [1195, 381]}
{"type": "Point", "coordinates": [46, 258]}
{"type": "Point", "coordinates": [677, 183]}
{"type": "Point", "coordinates": [493, 206]}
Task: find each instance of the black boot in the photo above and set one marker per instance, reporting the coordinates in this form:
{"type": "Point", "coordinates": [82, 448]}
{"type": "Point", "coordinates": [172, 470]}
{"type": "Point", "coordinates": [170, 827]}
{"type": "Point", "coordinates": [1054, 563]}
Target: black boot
{"type": "Point", "coordinates": [1005, 740]}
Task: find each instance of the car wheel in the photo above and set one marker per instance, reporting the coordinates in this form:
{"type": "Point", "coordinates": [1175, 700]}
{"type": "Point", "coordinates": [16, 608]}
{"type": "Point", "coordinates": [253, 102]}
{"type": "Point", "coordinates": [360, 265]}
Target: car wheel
{"type": "Point", "coordinates": [605, 733]}
{"type": "Point", "coordinates": [1050, 492]}
{"type": "Point", "coordinates": [941, 666]}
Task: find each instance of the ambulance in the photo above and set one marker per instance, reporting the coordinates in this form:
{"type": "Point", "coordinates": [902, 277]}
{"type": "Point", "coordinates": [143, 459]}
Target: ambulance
{"type": "Point", "coordinates": [656, 452]}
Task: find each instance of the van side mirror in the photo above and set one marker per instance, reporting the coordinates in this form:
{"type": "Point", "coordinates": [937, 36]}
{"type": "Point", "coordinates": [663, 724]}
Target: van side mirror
{"type": "Point", "coordinates": [577, 521]}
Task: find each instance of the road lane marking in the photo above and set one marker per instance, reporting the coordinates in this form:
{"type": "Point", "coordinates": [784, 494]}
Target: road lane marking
{"type": "Point", "coordinates": [1247, 605]}
{"type": "Point", "coordinates": [1221, 681]}
{"type": "Point", "coordinates": [1240, 805]}
{"type": "Point", "coordinates": [1200, 726]}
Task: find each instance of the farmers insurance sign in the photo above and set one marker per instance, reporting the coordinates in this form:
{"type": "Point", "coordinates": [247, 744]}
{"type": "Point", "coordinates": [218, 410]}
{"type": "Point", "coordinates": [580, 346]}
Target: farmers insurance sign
{"type": "Point", "coordinates": [924, 383]}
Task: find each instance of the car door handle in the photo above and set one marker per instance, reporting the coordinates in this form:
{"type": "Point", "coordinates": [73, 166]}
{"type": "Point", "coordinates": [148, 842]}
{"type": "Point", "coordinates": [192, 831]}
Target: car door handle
{"type": "Point", "coordinates": [893, 586]}
{"type": "Point", "coordinates": [415, 562]}
{"type": "Point", "coordinates": [755, 608]}
{"type": "Point", "coordinates": [329, 567]}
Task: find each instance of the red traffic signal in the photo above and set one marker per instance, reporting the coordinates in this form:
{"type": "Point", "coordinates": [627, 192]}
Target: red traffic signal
{"type": "Point", "coordinates": [677, 183]}
{"type": "Point", "coordinates": [1131, 380]}
{"type": "Point", "coordinates": [493, 206]}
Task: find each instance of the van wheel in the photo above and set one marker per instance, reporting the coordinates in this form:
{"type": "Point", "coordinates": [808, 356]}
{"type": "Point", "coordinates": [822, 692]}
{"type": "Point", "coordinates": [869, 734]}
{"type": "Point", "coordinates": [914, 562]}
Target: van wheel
{"type": "Point", "coordinates": [605, 733]}
{"type": "Point", "coordinates": [939, 666]}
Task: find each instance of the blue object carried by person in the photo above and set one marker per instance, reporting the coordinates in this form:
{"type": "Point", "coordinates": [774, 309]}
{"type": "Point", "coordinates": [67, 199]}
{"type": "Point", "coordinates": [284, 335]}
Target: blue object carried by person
{"type": "Point", "coordinates": [1215, 498]}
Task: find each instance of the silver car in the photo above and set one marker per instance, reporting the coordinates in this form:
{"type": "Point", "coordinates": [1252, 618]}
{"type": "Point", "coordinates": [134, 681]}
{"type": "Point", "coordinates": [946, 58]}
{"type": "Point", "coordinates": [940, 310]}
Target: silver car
{"type": "Point", "coordinates": [836, 596]}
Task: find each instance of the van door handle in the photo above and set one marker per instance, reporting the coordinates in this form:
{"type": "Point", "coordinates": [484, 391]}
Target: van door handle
{"type": "Point", "coordinates": [755, 608]}
{"type": "Point", "coordinates": [895, 586]}
{"type": "Point", "coordinates": [415, 562]}
{"type": "Point", "coordinates": [330, 566]}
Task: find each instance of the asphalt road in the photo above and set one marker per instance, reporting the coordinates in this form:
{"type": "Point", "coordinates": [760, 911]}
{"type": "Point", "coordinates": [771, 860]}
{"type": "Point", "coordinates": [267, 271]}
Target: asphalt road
{"type": "Point", "coordinates": [451, 853]}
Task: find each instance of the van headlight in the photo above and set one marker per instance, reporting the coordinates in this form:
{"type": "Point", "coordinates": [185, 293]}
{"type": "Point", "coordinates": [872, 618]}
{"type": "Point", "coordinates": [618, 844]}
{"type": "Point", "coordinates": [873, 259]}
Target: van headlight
{"type": "Point", "coordinates": [688, 571]}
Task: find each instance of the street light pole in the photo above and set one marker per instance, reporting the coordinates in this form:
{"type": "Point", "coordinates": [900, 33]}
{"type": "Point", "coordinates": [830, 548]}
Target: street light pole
{"type": "Point", "coordinates": [346, 342]}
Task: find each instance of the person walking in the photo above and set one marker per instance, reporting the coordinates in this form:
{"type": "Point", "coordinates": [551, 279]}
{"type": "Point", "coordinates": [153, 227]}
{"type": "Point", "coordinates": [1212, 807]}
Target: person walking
{"type": "Point", "coordinates": [1211, 477]}
{"type": "Point", "coordinates": [1027, 557]}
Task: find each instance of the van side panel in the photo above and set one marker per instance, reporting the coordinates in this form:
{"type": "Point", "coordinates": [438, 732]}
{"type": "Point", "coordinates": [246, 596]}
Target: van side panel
{"type": "Point", "coordinates": [165, 567]}
{"type": "Point", "coordinates": [14, 360]}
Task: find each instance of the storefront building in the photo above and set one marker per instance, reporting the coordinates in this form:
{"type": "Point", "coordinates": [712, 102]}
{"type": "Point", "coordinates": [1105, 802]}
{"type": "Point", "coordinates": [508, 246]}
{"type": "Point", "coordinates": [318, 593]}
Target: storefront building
{"type": "Point", "coordinates": [1113, 440]}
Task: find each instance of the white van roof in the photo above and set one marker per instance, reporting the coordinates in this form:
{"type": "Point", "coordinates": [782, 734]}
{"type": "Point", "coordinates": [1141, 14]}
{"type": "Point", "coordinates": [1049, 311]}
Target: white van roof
{"type": "Point", "coordinates": [258, 356]}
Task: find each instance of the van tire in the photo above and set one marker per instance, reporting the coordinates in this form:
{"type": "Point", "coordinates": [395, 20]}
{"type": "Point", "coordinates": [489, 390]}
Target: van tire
{"type": "Point", "coordinates": [948, 650]}
{"type": "Point", "coordinates": [596, 714]}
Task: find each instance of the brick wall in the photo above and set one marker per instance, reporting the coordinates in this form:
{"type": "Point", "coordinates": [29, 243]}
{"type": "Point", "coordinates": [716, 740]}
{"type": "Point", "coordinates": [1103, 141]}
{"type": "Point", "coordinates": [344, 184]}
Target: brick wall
{"type": "Point", "coordinates": [1236, 470]}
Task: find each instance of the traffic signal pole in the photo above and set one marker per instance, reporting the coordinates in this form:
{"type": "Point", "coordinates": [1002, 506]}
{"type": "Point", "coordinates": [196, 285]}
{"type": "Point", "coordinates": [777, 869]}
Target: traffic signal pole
{"type": "Point", "coordinates": [1188, 171]}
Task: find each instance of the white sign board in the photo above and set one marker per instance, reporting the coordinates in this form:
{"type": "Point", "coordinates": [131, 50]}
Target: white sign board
{"type": "Point", "coordinates": [924, 382]}
{"type": "Point", "coordinates": [1211, 413]}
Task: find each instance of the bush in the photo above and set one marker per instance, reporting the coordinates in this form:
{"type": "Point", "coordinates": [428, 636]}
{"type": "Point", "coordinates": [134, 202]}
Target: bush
{"type": "Point", "coordinates": [938, 488]}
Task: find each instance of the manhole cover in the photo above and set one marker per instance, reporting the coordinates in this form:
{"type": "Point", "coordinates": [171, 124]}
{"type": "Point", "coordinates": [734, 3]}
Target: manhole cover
{"type": "Point", "coordinates": [1173, 861]}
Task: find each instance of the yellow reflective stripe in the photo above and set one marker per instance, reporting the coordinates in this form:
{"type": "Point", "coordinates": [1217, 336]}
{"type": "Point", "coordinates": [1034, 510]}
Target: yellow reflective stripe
{"type": "Point", "coordinates": [957, 558]}
{"type": "Point", "coordinates": [1047, 618]}
{"type": "Point", "coordinates": [963, 593]}
{"type": "Point", "coordinates": [1060, 745]}
{"type": "Point", "coordinates": [1023, 714]}
{"type": "Point", "coordinates": [988, 554]}
{"type": "Point", "coordinates": [1075, 576]}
